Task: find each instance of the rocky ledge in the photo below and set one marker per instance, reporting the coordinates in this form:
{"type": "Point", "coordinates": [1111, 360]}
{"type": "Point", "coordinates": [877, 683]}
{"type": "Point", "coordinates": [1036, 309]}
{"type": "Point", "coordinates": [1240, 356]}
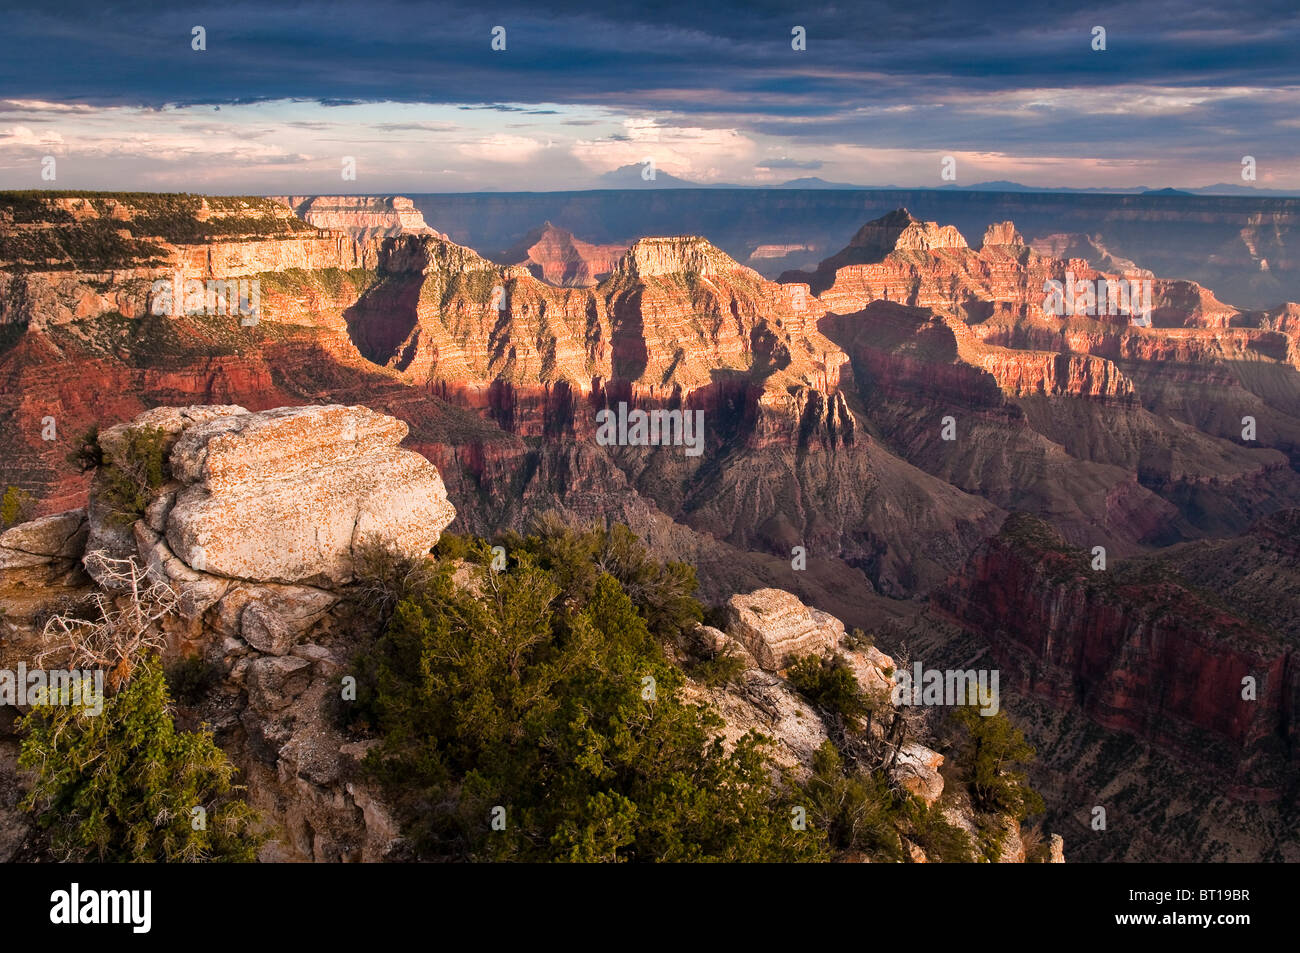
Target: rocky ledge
{"type": "Point", "coordinates": [284, 496]}
{"type": "Point", "coordinates": [258, 522]}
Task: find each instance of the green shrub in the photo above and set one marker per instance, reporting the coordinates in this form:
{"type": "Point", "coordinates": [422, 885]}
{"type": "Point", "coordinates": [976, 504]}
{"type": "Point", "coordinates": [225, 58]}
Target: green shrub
{"type": "Point", "coordinates": [991, 756]}
{"type": "Point", "coordinates": [122, 786]}
{"type": "Point", "coordinates": [511, 694]}
{"type": "Point", "coordinates": [830, 684]}
{"type": "Point", "coordinates": [664, 592]}
{"type": "Point", "coordinates": [859, 640]}
{"type": "Point", "coordinates": [857, 810]}
{"type": "Point", "coordinates": [725, 668]}
{"type": "Point", "coordinates": [452, 547]}
{"type": "Point", "coordinates": [15, 507]}
{"type": "Point", "coordinates": [942, 841]}
{"type": "Point", "coordinates": [191, 678]}
{"type": "Point", "coordinates": [129, 486]}
{"type": "Point", "coordinates": [87, 454]}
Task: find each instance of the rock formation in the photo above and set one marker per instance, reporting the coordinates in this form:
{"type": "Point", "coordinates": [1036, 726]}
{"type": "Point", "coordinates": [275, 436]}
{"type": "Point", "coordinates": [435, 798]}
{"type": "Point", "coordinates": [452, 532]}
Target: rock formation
{"type": "Point", "coordinates": [556, 257]}
{"type": "Point", "coordinates": [774, 625]}
{"type": "Point", "coordinates": [899, 231]}
{"type": "Point", "coordinates": [364, 217]}
{"type": "Point", "coordinates": [258, 526]}
{"type": "Point", "coordinates": [279, 646]}
{"type": "Point", "coordinates": [1243, 247]}
{"type": "Point", "coordinates": [293, 494]}
{"type": "Point", "coordinates": [1138, 651]}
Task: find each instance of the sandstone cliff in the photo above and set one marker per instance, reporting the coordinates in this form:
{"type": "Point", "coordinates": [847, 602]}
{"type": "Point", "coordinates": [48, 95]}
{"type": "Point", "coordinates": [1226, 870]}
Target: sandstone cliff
{"type": "Point", "coordinates": [1138, 650]}
{"type": "Point", "coordinates": [64, 259]}
{"type": "Point", "coordinates": [558, 258]}
{"type": "Point", "coordinates": [824, 406]}
{"type": "Point", "coordinates": [361, 216]}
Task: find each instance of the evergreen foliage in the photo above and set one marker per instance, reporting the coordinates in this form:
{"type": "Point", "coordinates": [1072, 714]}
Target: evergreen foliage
{"type": "Point", "coordinates": [122, 785]}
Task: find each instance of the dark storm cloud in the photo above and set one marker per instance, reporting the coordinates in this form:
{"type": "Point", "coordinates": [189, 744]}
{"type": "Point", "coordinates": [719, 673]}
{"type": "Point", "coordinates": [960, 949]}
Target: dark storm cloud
{"type": "Point", "coordinates": [938, 65]}
{"type": "Point", "coordinates": [506, 108]}
{"type": "Point", "coordinates": [634, 56]}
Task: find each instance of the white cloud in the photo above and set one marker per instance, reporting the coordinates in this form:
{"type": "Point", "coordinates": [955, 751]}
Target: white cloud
{"type": "Point", "coordinates": [501, 148]}
{"type": "Point", "coordinates": [695, 152]}
{"type": "Point", "coordinates": [22, 136]}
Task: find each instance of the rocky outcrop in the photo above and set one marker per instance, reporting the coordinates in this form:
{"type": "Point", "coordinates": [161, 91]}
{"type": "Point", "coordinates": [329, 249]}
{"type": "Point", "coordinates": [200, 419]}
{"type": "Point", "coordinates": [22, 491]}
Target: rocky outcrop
{"type": "Point", "coordinates": [39, 561]}
{"type": "Point", "coordinates": [1056, 849]}
{"type": "Point", "coordinates": [771, 627]}
{"type": "Point", "coordinates": [899, 231]}
{"type": "Point", "coordinates": [289, 495]}
{"type": "Point", "coordinates": [556, 257]}
{"type": "Point", "coordinates": [689, 254]}
{"type": "Point", "coordinates": [917, 770]}
{"type": "Point", "coordinates": [364, 217]}
{"type": "Point", "coordinates": [52, 540]}
{"type": "Point", "coordinates": [66, 259]}
{"type": "Point", "coordinates": [761, 701]}
{"type": "Point", "coordinates": [1137, 651]}
{"type": "Point", "coordinates": [775, 626]}
{"type": "Point", "coordinates": [1002, 233]}
{"type": "Point", "coordinates": [257, 528]}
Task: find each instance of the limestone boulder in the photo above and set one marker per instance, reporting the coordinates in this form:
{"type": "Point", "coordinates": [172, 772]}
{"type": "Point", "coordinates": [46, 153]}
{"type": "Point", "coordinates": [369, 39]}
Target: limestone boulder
{"type": "Point", "coordinates": [769, 705]}
{"type": "Point", "coordinates": [775, 626]}
{"type": "Point", "coordinates": [917, 770]}
{"type": "Point", "coordinates": [57, 538]}
{"type": "Point", "coordinates": [292, 495]}
{"type": "Point", "coordinates": [873, 669]}
{"type": "Point", "coordinates": [1056, 849]}
{"type": "Point", "coordinates": [272, 618]}
{"type": "Point", "coordinates": [710, 643]}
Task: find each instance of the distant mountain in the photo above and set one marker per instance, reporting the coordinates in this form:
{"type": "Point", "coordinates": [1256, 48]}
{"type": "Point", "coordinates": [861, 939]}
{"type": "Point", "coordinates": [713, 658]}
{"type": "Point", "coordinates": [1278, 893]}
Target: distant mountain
{"type": "Point", "coordinates": [813, 182]}
{"type": "Point", "coordinates": [1221, 188]}
{"type": "Point", "coordinates": [1002, 185]}
{"type": "Point", "coordinates": [1228, 188]}
{"type": "Point", "coordinates": [631, 177]}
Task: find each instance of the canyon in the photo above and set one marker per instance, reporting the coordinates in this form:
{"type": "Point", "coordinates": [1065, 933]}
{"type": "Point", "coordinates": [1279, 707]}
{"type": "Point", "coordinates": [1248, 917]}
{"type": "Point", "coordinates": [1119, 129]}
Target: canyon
{"type": "Point", "coordinates": [1243, 247]}
{"type": "Point", "coordinates": [897, 435]}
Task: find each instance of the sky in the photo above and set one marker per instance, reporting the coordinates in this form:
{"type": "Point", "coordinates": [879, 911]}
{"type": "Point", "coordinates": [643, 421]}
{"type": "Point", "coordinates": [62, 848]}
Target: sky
{"type": "Point", "coordinates": [416, 97]}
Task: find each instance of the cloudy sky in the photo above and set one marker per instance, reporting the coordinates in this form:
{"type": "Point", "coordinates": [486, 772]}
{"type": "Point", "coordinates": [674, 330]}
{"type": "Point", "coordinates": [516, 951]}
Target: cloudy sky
{"type": "Point", "coordinates": [713, 92]}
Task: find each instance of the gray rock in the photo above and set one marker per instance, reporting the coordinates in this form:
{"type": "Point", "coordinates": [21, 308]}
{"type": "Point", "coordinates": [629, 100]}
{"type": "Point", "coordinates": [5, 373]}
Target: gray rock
{"type": "Point", "coordinates": [290, 495]}
{"type": "Point", "coordinates": [273, 682]}
{"type": "Point", "coordinates": [774, 625]}
{"type": "Point", "coordinates": [61, 536]}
